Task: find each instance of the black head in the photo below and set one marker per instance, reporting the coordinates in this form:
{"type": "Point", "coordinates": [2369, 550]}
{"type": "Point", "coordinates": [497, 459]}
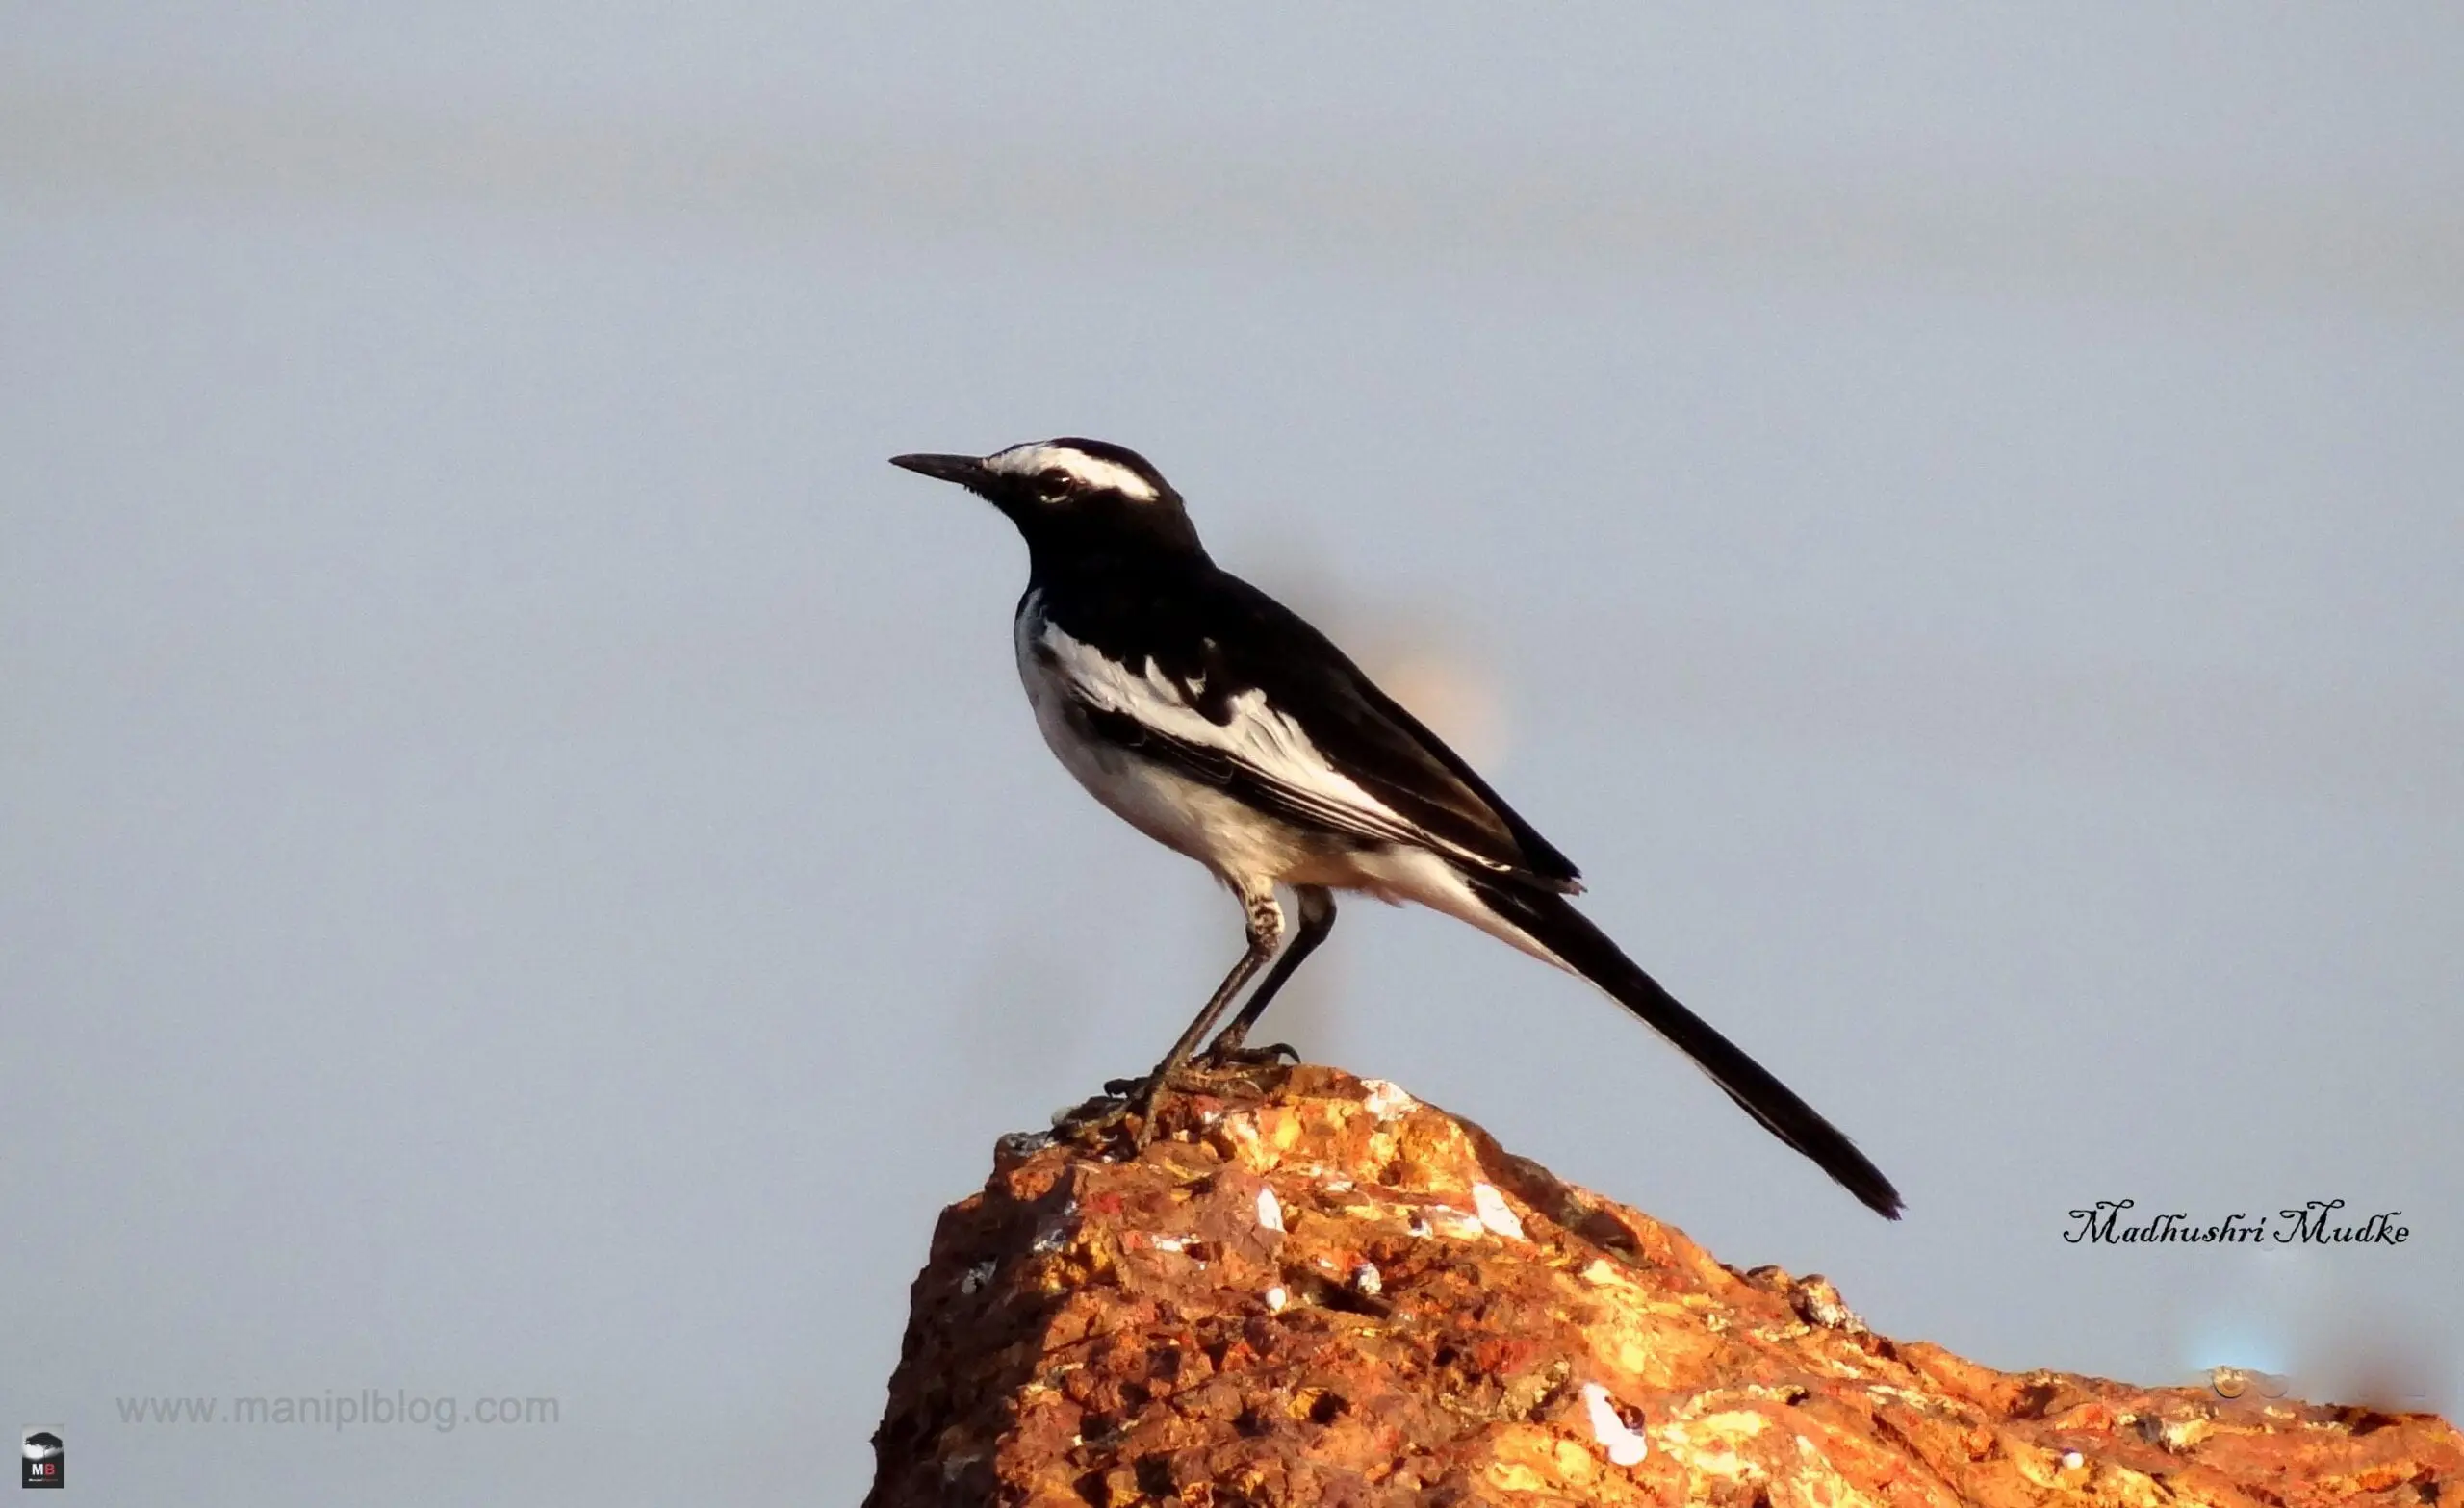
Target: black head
{"type": "Point", "coordinates": [1073, 495]}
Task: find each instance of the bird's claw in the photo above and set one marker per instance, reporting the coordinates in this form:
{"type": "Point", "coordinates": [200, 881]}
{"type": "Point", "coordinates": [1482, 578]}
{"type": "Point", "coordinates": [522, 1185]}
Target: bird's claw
{"type": "Point", "coordinates": [1137, 1101]}
{"type": "Point", "coordinates": [1226, 1056]}
{"type": "Point", "coordinates": [1124, 1102]}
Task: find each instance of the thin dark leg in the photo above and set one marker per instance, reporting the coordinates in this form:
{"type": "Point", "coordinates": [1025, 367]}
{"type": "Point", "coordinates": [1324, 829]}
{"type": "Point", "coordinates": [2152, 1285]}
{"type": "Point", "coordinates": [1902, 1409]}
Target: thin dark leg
{"type": "Point", "coordinates": [1265, 931]}
{"type": "Point", "coordinates": [1316, 919]}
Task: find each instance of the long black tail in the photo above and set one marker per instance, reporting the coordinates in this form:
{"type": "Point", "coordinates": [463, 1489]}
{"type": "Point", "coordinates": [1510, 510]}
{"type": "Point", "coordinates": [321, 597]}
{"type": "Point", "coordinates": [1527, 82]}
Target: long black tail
{"type": "Point", "coordinates": [1566, 932]}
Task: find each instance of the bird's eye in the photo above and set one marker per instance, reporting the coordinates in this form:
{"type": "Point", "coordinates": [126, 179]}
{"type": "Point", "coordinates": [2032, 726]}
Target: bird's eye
{"type": "Point", "coordinates": [1054, 481]}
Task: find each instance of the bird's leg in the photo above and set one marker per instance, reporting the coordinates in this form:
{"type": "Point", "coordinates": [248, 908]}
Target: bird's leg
{"type": "Point", "coordinates": [1265, 924]}
{"type": "Point", "coordinates": [1316, 919]}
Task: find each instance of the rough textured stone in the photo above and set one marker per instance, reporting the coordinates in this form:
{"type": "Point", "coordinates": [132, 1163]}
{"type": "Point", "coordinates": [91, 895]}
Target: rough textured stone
{"type": "Point", "coordinates": [1314, 1289]}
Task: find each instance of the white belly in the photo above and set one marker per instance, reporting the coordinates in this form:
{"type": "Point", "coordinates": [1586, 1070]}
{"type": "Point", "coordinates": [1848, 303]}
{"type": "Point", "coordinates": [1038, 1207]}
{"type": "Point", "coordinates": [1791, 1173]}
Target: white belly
{"type": "Point", "coordinates": [1243, 846]}
{"type": "Point", "coordinates": [1197, 820]}
{"type": "Point", "coordinates": [1225, 836]}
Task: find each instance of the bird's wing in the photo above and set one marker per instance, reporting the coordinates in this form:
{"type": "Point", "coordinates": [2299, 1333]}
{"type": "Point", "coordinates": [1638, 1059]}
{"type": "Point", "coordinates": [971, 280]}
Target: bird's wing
{"type": "Point", "coordinates": [1259, 705]}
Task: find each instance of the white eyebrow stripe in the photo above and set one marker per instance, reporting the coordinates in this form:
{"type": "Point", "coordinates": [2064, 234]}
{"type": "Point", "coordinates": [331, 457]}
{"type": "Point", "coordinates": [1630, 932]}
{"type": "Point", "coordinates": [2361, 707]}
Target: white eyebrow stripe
{"type": "Point", "coordinates": [1026, 460]}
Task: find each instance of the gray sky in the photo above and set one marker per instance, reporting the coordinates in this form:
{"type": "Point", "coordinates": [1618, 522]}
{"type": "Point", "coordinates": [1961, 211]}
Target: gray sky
{"type": "Point", "coordinates": [1957, 514]}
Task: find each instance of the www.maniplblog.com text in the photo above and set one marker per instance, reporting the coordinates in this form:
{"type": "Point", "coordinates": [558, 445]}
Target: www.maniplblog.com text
{"type": "Point", "coordinates": [368, 1406]}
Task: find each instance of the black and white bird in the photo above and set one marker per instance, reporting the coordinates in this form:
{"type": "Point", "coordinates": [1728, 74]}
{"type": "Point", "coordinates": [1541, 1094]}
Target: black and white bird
{"type": "Point", "coordinates": [1216, 722]}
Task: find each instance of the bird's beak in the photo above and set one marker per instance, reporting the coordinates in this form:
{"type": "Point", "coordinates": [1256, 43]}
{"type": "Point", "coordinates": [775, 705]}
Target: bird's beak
{"type": "Point", "coordinates": [964, 470]}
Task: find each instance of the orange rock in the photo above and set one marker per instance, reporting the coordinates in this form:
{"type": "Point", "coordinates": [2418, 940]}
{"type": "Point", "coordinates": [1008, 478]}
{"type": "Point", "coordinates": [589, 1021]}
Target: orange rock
{"type": "Point", "coordinates": [1323, 1291]}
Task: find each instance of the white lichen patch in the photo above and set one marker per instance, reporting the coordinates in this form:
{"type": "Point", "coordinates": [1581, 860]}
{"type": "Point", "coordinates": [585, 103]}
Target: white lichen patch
{"type": "Point", "coordinates": [1054, 1233]}
{"type": "Point", "coordinates": [978, 1275]}
{"type": "Point", "coordinates": [1269, 1209]}
{"type": "Point", "coordinates": [1169, 1243]}
{"type": "Point", "coordinates": [1365, 1279]}
{"type": "Point", "coordinates": [1386, 1101]}
{"type": "Point", "coordinates": [1817, 1302]}
{"type": "Point", "coordinates": [956, 1465]}
{"type": "Point", "coordinates": [1444, 1219]}
{"type": "Point", "coordinates": [1276, 1298]}
{"type": "Point", "coordinates": [1709, 1445]}
{"type": "Point", "coordinates": [2181, 1434]}
{"type": "Point", "coordinates": [1021, 1144]}
{"type": "Point", "coordinates": [1495, 1214]}
{"type": "Point", "coordinates": [1624, 1444]}
{"type": "Point", "coordinates": [1831, 1366]}
{"type": "Point", "coordinates": [1818, 1481]}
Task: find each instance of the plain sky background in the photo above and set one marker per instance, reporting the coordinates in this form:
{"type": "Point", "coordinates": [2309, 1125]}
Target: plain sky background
{"type": "Point", "coordinates": [525, 868]}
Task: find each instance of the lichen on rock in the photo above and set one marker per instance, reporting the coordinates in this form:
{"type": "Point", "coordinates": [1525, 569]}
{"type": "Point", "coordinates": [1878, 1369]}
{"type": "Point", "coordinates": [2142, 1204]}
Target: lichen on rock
{"type": "Point", "coordinates": [1316, 1290]}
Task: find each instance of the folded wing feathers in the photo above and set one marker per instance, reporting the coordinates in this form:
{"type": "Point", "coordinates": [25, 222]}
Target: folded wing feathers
{"type": "Point", "coordinates": [1266, 743]}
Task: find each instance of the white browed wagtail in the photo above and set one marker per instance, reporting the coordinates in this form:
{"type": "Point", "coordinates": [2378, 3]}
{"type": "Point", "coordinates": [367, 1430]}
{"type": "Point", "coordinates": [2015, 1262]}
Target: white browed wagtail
{"type": "Point", "coordinates": [1215, 721]}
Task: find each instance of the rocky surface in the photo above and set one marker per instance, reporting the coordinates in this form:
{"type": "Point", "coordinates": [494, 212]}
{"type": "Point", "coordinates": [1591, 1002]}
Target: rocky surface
{"type": "Point", "coordinates": [1314, 1289]}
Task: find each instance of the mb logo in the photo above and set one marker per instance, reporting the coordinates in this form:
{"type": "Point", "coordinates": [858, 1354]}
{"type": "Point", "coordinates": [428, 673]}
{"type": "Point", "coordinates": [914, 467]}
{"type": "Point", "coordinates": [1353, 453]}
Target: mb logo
{"type": "Point", "coordinates": [46, 1461]}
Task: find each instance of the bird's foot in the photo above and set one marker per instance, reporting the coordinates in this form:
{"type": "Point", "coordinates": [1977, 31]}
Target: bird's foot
{"type": "Point", "coordinates": [1231, 1056]}
{"type": "Point", "coordinates": [1127, 1105]}
{"type": "Point", "coordinates": [1096, 1124]}
{"type": "Point", "coordinates": [1138, 1104]}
